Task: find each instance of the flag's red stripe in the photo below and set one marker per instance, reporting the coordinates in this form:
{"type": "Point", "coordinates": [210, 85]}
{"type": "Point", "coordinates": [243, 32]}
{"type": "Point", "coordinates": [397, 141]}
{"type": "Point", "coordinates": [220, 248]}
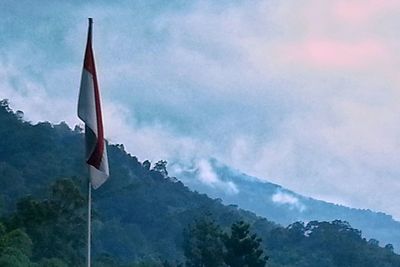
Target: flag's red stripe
{"type": "Point", "coordinates": [97, 154]}
{"type": "Point", "coordinates": [88, 63]}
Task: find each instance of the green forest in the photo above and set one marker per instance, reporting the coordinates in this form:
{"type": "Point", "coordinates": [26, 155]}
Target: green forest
{"type": "Point", "coordinates": [142, 216]}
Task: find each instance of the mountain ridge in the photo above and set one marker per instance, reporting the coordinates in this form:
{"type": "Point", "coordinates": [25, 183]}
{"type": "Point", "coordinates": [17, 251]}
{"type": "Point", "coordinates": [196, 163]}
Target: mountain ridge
{"type": "Point", "coordinates": [285, 206]}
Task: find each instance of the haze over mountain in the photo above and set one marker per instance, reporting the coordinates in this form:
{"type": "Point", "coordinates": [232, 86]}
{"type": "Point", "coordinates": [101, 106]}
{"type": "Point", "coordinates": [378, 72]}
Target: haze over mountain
{"type": "Point", "coordinates": [279, 204]}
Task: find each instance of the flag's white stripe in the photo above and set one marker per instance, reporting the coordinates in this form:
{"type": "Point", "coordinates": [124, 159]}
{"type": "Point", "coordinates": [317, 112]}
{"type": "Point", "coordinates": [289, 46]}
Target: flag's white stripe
{"type": "Point", "coordinates": [98, 177]}
{"type": "Point", "coordinates": [87, 103]}
{"type": "Point", "coordinates": [104, 161]}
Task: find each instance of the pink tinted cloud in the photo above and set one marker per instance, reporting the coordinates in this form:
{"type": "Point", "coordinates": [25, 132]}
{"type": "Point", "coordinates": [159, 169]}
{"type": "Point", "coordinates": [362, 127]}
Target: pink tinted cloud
{"type": "Point", "coordinates": [326, 53]}
{"type": "Point", "coordinates": [362, 11]}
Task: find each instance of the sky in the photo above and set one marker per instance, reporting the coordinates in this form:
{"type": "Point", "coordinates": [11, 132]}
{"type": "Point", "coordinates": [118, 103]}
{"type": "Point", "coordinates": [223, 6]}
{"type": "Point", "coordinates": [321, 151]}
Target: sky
{"type": "Point", "coordinates": [305, 93]}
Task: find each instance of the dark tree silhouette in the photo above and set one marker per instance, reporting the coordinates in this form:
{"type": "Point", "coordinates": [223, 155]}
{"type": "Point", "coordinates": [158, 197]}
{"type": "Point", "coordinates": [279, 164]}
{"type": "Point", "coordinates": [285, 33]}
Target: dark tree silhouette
{"type": "Point", "coordinates": [203, 246]}
{"type": "Point", "coordinates": [161, 167]}
{"type": "Point", "coordinates": [242, 248]}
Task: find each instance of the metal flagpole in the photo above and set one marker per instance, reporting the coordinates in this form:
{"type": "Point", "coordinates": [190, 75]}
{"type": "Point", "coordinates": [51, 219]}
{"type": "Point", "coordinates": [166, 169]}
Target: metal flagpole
{"type": "Point", "coordinates": [89, 224]}
{"type": "Point", "coordinates": [89, 111]}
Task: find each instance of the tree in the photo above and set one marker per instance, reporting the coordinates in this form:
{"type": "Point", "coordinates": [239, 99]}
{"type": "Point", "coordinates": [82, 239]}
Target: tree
{"type": "Point", "coordinates": [161, 167]}
{"type": "Point", "coordinates": [15, 248]}
{"type": "Point", "coordinates": [17, 239]}
{"type": "Point", "coordinates": [166, 263]}
{"type": "Point", "coordinates": [373, 242]}
{"type": "Point", "coordinates": [13, 257]}
{"type": "Point", "coordinates": [146, 164]}
{"type": "Point", "coordinates": [54, 262]}
{"type": "Point", "coordinates": [242, 248]}
{"type": "Point", "coordinates": [337, 238]}
{"type": "Point", "coordinates": [203, 246]}
{"type": "Point", "coordinates": [389, 247]}
{"type": "Point", "coordinates": [5, 103]}
{"type": "Point", "coordinates": [57, 226]}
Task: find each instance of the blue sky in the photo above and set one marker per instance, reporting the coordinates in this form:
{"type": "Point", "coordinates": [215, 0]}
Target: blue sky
{"type": "Point", "coordinates": [301, 93]}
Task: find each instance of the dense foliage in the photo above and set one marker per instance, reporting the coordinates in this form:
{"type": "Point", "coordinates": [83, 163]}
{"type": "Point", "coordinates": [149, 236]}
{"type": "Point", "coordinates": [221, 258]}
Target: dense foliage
{"type": "Point", "coordinates": [141, 212]}
{"type": "Point", "coordinates": [203, 244]}
{"type": "Point", "coordinates": [206, 245]}
{"type": "Point", "coordinates": [262, 198]}
{"type": "Point", "coordinates": [243, 248]}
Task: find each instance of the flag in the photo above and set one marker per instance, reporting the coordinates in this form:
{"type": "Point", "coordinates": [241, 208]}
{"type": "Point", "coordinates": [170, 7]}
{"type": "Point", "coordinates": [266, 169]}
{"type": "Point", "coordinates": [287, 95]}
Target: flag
{"type": "Point", "coordinates": [89, 111]}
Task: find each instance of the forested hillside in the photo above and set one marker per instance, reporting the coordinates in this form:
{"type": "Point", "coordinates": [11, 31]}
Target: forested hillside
{"type": "Point", "coordinates": [142, 216]}
{"type": "Point", "coordinates": [285, 206]}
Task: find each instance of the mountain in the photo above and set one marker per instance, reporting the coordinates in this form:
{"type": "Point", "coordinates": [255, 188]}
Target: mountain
{"type": "Point", "coordinates": [279, 204]}
{"type": "Point", "coordinates": [140, 214]}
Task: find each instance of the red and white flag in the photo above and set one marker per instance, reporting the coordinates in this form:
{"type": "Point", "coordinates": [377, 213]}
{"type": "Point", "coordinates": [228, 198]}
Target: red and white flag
{"type": "Point", "coordinates": [89, 111]}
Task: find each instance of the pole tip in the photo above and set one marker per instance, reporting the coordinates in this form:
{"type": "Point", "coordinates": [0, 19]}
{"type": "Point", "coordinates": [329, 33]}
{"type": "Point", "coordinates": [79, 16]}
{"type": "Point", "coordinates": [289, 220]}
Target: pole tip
{"type": "Point", "coordinates": [90, 20]}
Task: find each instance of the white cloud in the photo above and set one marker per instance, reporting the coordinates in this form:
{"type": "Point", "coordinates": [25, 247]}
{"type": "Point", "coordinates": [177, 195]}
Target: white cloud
{"type": "Point", "coordinates": [207, 175]}
{"type": "Point", "coordinates": [32, 98]}
{"type": "Point", "coordinates": [283, 198]}
{"type": "Point", "coordinates": [152, 142]}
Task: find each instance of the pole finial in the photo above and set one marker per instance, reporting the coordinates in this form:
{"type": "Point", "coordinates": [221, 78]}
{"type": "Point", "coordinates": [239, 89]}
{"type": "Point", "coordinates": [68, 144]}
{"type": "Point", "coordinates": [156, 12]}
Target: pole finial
{"type": "Point", "coordinates": [90, 30]}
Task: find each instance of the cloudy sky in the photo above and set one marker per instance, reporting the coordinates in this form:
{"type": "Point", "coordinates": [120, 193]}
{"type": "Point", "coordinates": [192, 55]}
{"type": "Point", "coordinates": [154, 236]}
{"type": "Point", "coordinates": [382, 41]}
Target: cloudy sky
{"type": "Point", "coordinates": [305, 93]}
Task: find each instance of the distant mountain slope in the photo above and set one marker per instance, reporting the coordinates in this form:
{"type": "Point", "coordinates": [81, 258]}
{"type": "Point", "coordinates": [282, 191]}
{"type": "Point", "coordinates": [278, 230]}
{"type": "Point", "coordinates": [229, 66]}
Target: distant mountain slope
{"type": "Point", "coordinates": [141, 212]}
{"type": "Point", "coordinates": [281, 205]}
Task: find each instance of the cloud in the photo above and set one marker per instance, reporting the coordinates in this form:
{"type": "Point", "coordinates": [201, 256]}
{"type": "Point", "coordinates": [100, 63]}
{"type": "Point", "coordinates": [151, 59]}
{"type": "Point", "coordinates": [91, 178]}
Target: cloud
{"type": "Point", "coordinates": [31, 97]}
{"type": "Point", "coordinates": [299, 93]}
{"type": "Point", "coordinates": [337, 54]}
{"type": "Point", "coordinates": [207, 176]}
{"type": "Point", "coordinates": [362, 12]}
{"type": "Point", "coordinates": [152, 142]}
{"type": "Point", "coordinates": [283, 198]}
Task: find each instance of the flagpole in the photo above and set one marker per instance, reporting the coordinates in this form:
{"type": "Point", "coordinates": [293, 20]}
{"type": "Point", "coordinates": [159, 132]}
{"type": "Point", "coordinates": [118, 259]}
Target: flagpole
{"type": "Point", "coordinates": [89, 111]}
{"type": "Point", "coordinates": [89, 225]}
